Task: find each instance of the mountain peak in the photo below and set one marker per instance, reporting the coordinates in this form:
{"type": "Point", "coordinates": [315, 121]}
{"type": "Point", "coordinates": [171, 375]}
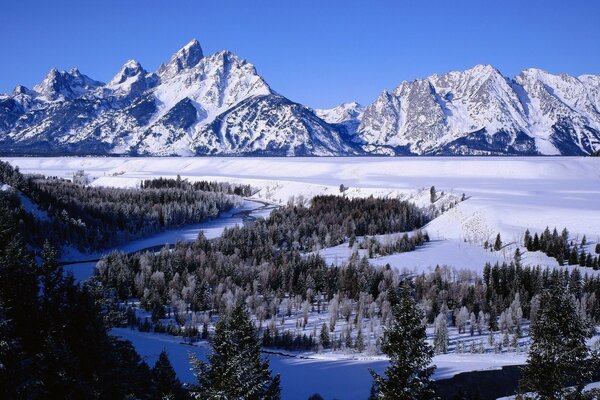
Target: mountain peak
{"type": "Point", "coordinates": [65, 85]}
{"type": "Point", "coordinates": [20, 89]}
{"type": "Point", "coordinates": [130, 69]}
{"type": "Point", "coordinates": [187, 57]}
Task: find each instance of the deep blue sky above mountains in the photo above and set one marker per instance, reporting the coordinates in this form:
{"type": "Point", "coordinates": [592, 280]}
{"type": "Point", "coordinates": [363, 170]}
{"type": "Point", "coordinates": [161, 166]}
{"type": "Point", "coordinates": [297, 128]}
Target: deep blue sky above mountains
{"type": "Point", "coordinates": [319, 53]}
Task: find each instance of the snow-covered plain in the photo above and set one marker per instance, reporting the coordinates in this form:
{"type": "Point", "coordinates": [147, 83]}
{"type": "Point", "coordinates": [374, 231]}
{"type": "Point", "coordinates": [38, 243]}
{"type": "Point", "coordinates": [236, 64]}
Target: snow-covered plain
{"type": "Point", "coordinates": [503, 195]}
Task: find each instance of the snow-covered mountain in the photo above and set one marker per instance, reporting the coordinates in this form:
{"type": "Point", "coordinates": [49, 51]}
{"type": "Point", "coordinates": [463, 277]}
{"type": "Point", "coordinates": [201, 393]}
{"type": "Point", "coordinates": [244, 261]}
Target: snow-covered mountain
{"type": "Point", "coordinates": [218, 104]}
{"type": "Point", "coordinates": [192, 105]}
{"type": "Point", "coordinates": [479, 111]}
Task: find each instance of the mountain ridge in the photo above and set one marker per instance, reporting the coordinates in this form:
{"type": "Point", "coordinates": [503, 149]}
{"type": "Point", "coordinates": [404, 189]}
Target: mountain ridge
{"type": "Point", "coordinates": [218, 104]}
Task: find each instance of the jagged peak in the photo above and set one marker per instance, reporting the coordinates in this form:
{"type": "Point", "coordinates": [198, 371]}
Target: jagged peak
{"type": "Point", "coordinates": [62, 84]}
{"type": "Point", "coordinates": [20, 89]}
{"type": "Point", "coordinates": [185, 58]}
{"type": "Point", "coordinates": [130, 69]}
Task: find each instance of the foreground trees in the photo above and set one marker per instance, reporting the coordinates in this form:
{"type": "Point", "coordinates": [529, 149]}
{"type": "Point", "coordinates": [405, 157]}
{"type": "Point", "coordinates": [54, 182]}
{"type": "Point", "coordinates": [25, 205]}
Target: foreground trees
{"type": "Point", "coordinates": [409, 373]}
{"type": "Point", "coordinates": [53, 338]}
{"type": "Point", "coordinates": [560, 362]}
{"type": "Point", "coordinates": [235, 369]}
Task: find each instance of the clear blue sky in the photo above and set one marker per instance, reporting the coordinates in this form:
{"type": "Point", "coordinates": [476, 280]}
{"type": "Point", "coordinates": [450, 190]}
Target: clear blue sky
{"type": "Point", "coordinates": [317, 52]}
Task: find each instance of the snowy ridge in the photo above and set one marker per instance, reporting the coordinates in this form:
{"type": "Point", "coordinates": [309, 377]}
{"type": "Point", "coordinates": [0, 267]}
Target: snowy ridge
{"type": "Point", "coordinates": [479, 111]}
{"type": "Point", "coordinates": [192, 105]}
{"type": "Point", "coordinates": [197, 104]}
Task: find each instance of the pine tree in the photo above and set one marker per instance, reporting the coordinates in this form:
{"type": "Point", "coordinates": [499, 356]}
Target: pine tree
{"type": "Point", "coordinates": [498, 243]}
{"type": "Point", "coordinates": [441, 334]}
{"type": "Point", "coordinates": [325, 341]}
{"type": "Point", "coordinates": [165, 380]}
{"type": "Point", "coordinates": [527, 239]}
{"type": "Point", "coordinates": [409, 373]}
{"type": "Point", "coordinates": [359, 342]}
{"type": "Point", "coordinates": [558, 355]}
{"type": "Point", "coordinates": [235, 368]}
{"type": "Point", "coordinates": [432, 194]}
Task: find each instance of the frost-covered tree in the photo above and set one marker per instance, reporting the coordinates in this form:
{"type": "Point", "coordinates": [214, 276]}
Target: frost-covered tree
{"type": "Point", "coordinates": [480, 322]}
{"type": "Point", "coordinates": [461, 319]}
{"type": "Point", "coordinates": [359, 341]}
{"type": "Point", "coordinates": [472, 323]}
{"type": "Point", "coordinates": [235, 368]}
{"type": "Point", "coordinates": [558, 356]}
{"type": "Point", "coordinates": [534, 308]}
{"type": "Point", "coordinates": [408, 375]}
{"type": "Point", "coordinates": [441, 334]}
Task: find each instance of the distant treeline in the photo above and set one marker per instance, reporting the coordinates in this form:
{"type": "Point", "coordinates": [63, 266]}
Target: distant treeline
{"type": "Point", "coordinates": [561, 248]}
{"type": "Point", "coordinates": [91, 218]}
{"type": "Point", "coordinates": [205, 186]}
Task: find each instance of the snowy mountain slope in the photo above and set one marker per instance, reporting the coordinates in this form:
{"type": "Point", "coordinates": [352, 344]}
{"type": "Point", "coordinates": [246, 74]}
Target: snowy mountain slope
{"type": "Point", "coordinates": [197, 104]}
{"type": "Point", "coordinates": [193, 104]}
{"type": "Point", "coordinates": [246, 128]}
{"type": "Point", "coordinates": [478, 111]}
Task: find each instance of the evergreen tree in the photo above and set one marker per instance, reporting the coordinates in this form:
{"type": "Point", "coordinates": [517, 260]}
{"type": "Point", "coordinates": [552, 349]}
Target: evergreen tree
{"type": "Point", "coordinates": [408, 375]}
{"type": "Point", "coordinates": [165, 380]}
{"type": "Point", "coordinates": [325, 341]}
{"type": "Point", "coordinates": [498, 243]}
{"type": "Point", "coordinates": [359, 342]}
{"type": "Point", "coordinates": [235, 369]}
{"type": "Point", "coordinates": [558, 356]}
{"type": "Point", "coordinates": [432, 194]}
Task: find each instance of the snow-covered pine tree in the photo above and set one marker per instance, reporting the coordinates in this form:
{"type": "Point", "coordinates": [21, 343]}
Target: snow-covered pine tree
{"type": "Point", "coordinates": [409, 373]}
{"type": "Point", "coordinates": [235, 368]}
{"type": "Point", "coordinates": [441, 334]}
{"type": "Point", "coordinates": [558, 356]}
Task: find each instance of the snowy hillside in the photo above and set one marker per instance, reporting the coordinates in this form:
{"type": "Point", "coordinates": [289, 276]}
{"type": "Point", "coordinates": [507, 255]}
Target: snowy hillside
{"type": "Point", "coordinates": [197, 104]}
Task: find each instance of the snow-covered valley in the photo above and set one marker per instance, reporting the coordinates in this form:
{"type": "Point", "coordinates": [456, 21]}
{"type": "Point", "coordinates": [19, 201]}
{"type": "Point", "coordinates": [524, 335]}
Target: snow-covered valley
{"type": "Point", "coordinates": [503, 196]}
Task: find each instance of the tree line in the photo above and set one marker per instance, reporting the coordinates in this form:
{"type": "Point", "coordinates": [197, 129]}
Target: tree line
{"type": "Point", "coordinates": [204, 186]}
{"type": "Point", "coordinates": [562, 249]}
{"type": "Point", "coordinates": [91, 218]}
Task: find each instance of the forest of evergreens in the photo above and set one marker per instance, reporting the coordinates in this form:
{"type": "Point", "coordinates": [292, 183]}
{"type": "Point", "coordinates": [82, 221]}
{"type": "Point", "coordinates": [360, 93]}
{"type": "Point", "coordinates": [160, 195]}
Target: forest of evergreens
{"type": "Point", "coordinates": [92, 218]}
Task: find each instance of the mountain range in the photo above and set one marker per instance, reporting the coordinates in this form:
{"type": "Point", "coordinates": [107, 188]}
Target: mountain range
{"type": "Point", "coordinates": [218, 104]}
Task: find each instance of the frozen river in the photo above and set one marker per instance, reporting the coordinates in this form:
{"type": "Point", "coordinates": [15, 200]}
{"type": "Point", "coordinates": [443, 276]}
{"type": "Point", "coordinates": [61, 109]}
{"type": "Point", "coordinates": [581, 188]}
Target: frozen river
{"type": "Point", "coordinates": [248, 210]}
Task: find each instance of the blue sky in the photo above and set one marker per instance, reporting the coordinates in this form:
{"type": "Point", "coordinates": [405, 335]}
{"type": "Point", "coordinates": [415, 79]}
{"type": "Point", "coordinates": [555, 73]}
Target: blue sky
{"type": "Point", "coordinates": [317, 52]}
